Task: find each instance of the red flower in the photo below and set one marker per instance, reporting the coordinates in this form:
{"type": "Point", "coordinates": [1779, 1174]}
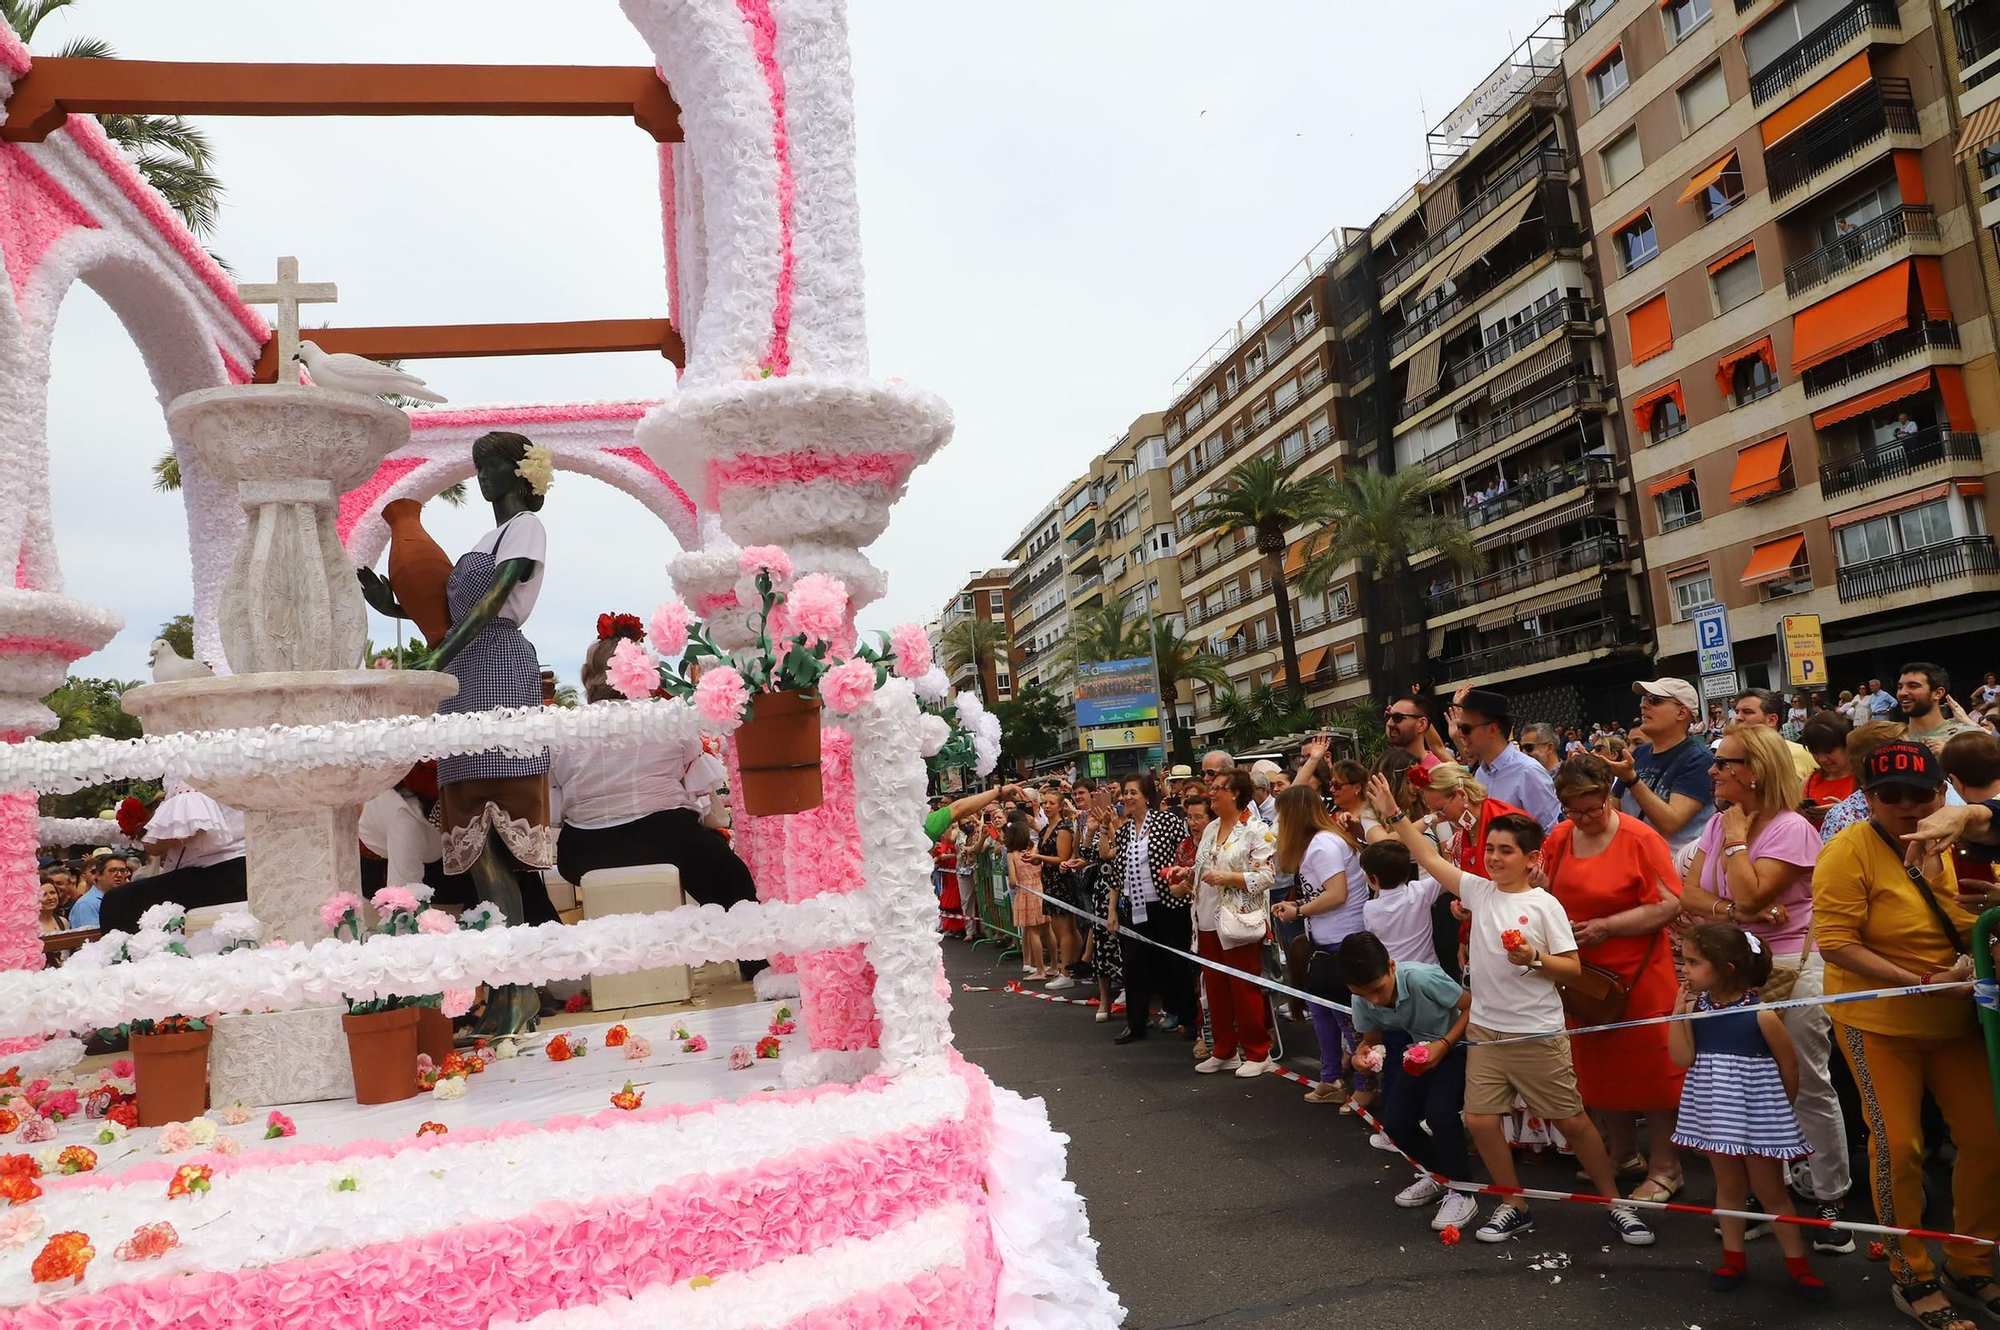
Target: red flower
{"type": "Point", "coordinates": [132, 816]}
{"type": "Point", "coordinates": [9, 1121]}
{"type": "Point", "coordinates": [1878, 1251]}
{"type": "Point", "coordinates": [1419, 777]}
{"type": "Point", "coordinates": [559, 1050]}
{"type": "Point", "coordinates": [767, 1047]}
{"type": "Point", "coordinates": [23, 1165]}
{"type": "Point", "coordinates": [76, 1159]}
{"type": "Point", "coordinates": [189, 1179]}
{"type": "Point", "coordinates": [577, 1002]}
{"type": "Point", "coordinates": [1449, 1235]}
{"type": "Point", "coordinates": [620, 625]}
{"type": "Point", "coordinates": [1512, 940]}
{"type": "Point", "coordinates": [125, 1113]}
{"type": "Point", "coordinates": [10, 1078]}
{"type": "Point", "coordinates": [474, 1064]}
{"type": "Point", "coordinates": [19, 1188]}
{"type": "Point", "coordinates": [628, 1098]}
{"type": "Point", "coordinates": [454, 1065]}
{"type": "Point", "coordinates": [432, 1129]}
{"type": "Point", "coordinates": [149, 1242]}
{"type": "Point", "coordinates": [615, 1036]}
{"type": "Point", "coordinates": [63, 1259]}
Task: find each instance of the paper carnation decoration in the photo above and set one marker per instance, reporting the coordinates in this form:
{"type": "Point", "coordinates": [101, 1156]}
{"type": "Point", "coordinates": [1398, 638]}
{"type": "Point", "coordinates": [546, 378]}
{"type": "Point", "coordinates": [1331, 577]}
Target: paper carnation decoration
{"type": "Point", "coordinates": [848, 685]}
{"type": "Point", "coordinates": [628, 1098]}
{"type": "Point", "coordinates": [765, 558]}
{"type": "Point", "coordinates": [1416, 1055]}
{"type": "Point", "coordinates": [740, 1058]}
{"type": "Point", "coordinates": [1369, 1058]}
{"type": "Point", "coordinates": [817, 607]}
{"type": "Point", "coordinates": [149, 1242]}
{"type": "Point", "coordinates": [189, 1179]}
{"type": "Point", "coordinates": [912, 646]}
{"type": "Point", "coordinates": [671, 622]}
{"type": "Point", "coordinates": [721, 696]}
{"type": "Point", "coordinates": [632, 671]}
{"type": "Point", "coordinates": [278, 1125]}
{"type": "Point", "coordinates": [615, 1036]}
{"type": "Point", "coordinates": [1513, 939]}
{"type": "Point", "coordinates": [63, 1259]}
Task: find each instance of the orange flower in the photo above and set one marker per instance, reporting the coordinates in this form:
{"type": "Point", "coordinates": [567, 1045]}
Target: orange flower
{"type": "Point", "coordinates": [9, 1121]}
{"type": "Point", "coordinates": [76, 1159]}
{"type": "Point", "coordinates": [22, 1164]}
{"type": "Point", "coordinates": [628, 1098]}
{"type": "Point", "coordinates": [1449, 1235]}
{"type": "Point", "coordinates": [474, 1064]}
{"type": "Point", "coordinates": [614, 1036]}
{"type": "Point", "coordinates": [432, 1129]}
{"type": "Point", "coordinates": [189, 1179]}
{"type": "Point", "coordinates": [454, 1065]}
{"type": "Point", "coordinates": [19, 1188]}
{"type": "Point", "coordinates": [63, 1259]}
{"type": "Point", "coordinates": [559, 1050]}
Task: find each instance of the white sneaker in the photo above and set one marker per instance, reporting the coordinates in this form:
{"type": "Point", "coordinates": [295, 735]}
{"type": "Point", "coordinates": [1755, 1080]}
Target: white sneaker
{"type": "Point", "coordinates": [1421, 1192]}
{"type": "Point", "coordinates": [1455, 1210]}
{"type": "Point", "coordinates": [1027, 969]}
{"type": "Point", "coordinates": [1061, 981]}
{"type": "Point", "coordinates": [1119, 1000]}
{"type": "Point", "coordinates": [1250, 1069]}
{"type": "Point", "coordinates": [1380, 1141]}
{"type": "Point", "coordinates": [1103, 1018]}
{"type": "Point", "coordinates": [1209, 1066]}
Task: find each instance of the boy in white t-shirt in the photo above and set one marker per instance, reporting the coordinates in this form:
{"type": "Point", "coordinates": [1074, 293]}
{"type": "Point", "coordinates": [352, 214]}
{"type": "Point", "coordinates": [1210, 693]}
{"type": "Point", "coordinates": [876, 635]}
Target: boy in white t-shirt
{"type": "Point", "coordinates": [1521, 948]}
{"type": "Point", "coordinates": [1399, 911]}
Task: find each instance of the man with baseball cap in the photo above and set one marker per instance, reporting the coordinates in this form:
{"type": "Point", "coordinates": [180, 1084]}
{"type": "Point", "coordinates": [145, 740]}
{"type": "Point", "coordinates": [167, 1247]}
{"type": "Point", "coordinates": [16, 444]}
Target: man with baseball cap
{"type": "Point", "coordinates": [1665, 782]}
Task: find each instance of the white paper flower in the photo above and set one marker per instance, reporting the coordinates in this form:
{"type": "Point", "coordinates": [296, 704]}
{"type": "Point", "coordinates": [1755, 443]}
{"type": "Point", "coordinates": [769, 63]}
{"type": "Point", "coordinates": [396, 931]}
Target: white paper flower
{"type": "Point", "coordinates": [202, 1129]}
{"type": "Point", "coordinates": [934, 686]}
{"type": "Point", "coordinates": [538, 468]}
{"type": "Point", "coordinates": [933, 732]}
{"type": "Point", "coordinates": [237, 926]}
{"type": "Point", "coordinates": [148, 942]}
{"type": "Point", "coordinates": [161, 917]}
{"type": "Point", "coordinates": [451, 1087]}
{"type": "Point", "coordinates": [50, 1158]}
{"type": "Point", "coordinates": [423, 891]}
{"type": "Point", "coordinates": [346, 1178]}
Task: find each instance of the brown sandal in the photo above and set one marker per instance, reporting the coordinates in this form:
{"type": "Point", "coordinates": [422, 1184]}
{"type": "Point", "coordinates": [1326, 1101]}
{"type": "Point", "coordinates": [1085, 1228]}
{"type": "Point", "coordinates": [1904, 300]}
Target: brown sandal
{"type": "Point", "coordinates": [1937, 1318]}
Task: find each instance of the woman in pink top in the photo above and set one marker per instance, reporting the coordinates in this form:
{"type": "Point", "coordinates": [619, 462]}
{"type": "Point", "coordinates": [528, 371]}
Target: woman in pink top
{"type": "Point", "coordinates": [1754, 866]}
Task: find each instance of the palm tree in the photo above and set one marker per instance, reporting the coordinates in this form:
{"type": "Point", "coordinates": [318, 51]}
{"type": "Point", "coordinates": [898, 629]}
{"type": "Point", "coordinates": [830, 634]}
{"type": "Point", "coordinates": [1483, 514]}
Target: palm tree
{"type": "Point", "coordinates": [974, 642]}
{"type": "Point", "coordinates": [1378, 521]}
{"type": "Point", "coordinates": [172, 154]}
{"type": "Point", "coordinates": [1265, 497]}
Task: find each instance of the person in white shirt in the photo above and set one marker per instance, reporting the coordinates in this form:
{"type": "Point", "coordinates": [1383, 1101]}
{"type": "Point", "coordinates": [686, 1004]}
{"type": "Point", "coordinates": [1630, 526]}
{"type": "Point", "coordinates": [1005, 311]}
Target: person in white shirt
{"type": "Point", "coordinates": [400, 845]}
{"type": "Point", "coordinates": [632, 806]}
{"type": "Point", "coordinates": [200, 842]}
{"type": "Point", "coordinates": [1399, 910]}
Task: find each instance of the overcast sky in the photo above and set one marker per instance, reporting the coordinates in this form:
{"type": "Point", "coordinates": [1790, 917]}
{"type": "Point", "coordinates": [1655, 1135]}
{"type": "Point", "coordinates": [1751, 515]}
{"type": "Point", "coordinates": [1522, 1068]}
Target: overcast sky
{"type": "Point", "coordinates": [1063, 204]}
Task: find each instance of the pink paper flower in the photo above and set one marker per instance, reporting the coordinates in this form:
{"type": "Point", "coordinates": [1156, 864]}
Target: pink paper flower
{"type": "Point", "coordinates": [721, 696]}
{"type": "Point", "coordinates": [698, 1044]}
{"type": "Point", "coordinates": [818, 607]}
{"type": "Point", "coordinates": [37, 1088]}
{"type": "Point", "coordinates": [36, 1129]}
{"type": "Point", "coordinates": [740, 1058]}
{"type": "Point", "coordinates": [1369, 1058]}
{"type": "Point", "coordinates": [784, 1027]}
{"type": "Point", "coordinates": [769, 558]}
{"type": "Point", "coordinates": [456, 1002]}
{"type": "Point", "coordinates": [436, 922]}
{"type": "Point", "coordinates": [395, 900]}
{"type": "Point", "coordinates": [848, 685]}
{"type": "Point", "coordinates": [632, 671]}
{"type": "Point", "coordinates": [227, 1146]}
{"type": "Point", "coordinates": [174, 1138]}
{"type": "Point", "coordinates": [19, 1225]}
{"type": "Point", "coordinates": [670, 625]}
{"type": "Point", "coordinates": [278, 1125]}
{"type": "Point", "coordinates": [912, 646]}
{"type": "Point", "coordinates": [1417, 1055]}
{"type": "Point", "coordinates": [637, 1049]}
{"type": "Point", "coordinates": [235, 1115]}
{"type": "Point", "coordinates": [337, 908]}
{"type": "Point", "coordinates": [123, 1070]}
{"type": "Point", "coordinates": [60, 1105]}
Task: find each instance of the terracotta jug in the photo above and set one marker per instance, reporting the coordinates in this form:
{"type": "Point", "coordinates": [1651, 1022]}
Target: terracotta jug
{"type": "Point", "coordinates": [418, 569]}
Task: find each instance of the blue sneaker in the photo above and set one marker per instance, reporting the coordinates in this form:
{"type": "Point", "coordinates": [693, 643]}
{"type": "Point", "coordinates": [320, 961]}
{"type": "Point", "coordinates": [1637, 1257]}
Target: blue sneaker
{"type": "Point", "coordinates": [1506, 1222]}
{"type": "Point", "coordinates": [1169, 1024]}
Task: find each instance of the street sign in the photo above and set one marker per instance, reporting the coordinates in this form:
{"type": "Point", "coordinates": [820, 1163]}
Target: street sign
{"type": "Point", "coordinates": [1711, 640]}
{"type": "Point", "coordinates": [1803, 647]}
{"type": "Point", "coordinates": [1721, 687]}
{"type": "Point", "coordinates": [1097, 766]}
{"type": "Point", "coordinates": [1128, 736]}
{"type": "Point", "coordinates": [1116, 692]}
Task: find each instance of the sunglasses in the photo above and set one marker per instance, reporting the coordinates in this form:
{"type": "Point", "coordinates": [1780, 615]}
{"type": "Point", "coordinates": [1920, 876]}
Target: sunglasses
{"type": "Point", "coordinates": [1655, 700]}
{"type": "Point", "coordinates": [1731, 761]}
{"type": "Point", "coordinates": [1395, 716]}
{"type": "Point", "coordinates": [1465, 727]}
{"type": "Point", "coordinates": [1901, 796]}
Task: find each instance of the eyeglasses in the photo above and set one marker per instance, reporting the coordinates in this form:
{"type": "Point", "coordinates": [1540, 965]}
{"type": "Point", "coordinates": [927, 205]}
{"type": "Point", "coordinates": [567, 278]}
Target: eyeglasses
{"type": "Point", "coordinates": [1467, 727]}
{"type": "Point", "coordinates": [1722, 761]}
{"type": "Point", "coordinates": [1581, 811]}
{"type": "Point", "coordinates": [1901, 796]}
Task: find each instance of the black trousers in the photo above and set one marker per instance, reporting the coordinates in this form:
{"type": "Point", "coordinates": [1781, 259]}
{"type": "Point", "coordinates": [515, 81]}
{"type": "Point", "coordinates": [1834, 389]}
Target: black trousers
{"type": "Point", "coordinates": [710, 871]}
{"type": "Point", "coordinates": [211, 884]}
{"type": "Point", "coordinates": [1151, 973]}
{"type": "Point", "coordinates": [446, 888]}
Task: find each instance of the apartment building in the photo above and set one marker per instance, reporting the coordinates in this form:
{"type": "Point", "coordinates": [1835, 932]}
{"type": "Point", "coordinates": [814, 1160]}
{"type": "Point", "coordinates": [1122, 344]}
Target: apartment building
{"type": "Point", "coordinates": [1498, 382]}
{"type": "Point", "coordinates": [984, 597]}
{"type": "Point", "coordinates": [1800, 324]}
{"type": "Point", "coordinates": [1136, 535]}
{"type": "Point", "coordinates": [1038, 597]}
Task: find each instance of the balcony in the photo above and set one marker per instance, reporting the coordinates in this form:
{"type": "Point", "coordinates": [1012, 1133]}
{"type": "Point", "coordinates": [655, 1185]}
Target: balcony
{"type": "Point", "coordinates": [1605, 634]}
{"type": "Point", "coordinates": [1584, 390]}
{"type": "Point", "coordinates": [1546, 164]}
{"type": "Point", "coordinates": [1821, 45]}
{"type": "Point", "coordinates": [1916, 340]}
{"type": "Point", "coordinates": [1866, 118]}
{"type": "Point", "coordinates": [1600, 550]}
{"type": "Point", "coordinates": [1919, 568]}
{"type": "Point", "coordinates": [1861, 244]}
{"type": "Point", "coordinates": [1528, 491]}
{"type": "Point", "coordinates": [1897, 458]}
{"type": "Point", "coordinates": [1497, 353]}
{"type": "Point", "coordinates": [1560, 237]}
{"type": "Point", "coordinates": [1083, 584]}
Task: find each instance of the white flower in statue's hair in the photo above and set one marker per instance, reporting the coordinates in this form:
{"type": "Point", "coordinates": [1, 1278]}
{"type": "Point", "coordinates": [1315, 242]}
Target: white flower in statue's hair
{"type": "Point", "coordinates": [632, 671]}
{"type": "Point", "coordinates": [538, 468]}
{"type": "Point", "coordinates": [933, 686]}
{"type": "Point", "coordinates": [933, 733]}
{"type": "Point", "coordinates": [162, 917]}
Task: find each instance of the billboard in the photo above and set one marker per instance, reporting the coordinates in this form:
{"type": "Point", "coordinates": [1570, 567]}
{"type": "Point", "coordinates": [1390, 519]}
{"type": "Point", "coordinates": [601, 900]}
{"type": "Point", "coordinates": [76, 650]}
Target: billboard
{"type": "Point", "coordinates": [1116, 692]}
{"type": "Point", "coordinates": [1804, 648]}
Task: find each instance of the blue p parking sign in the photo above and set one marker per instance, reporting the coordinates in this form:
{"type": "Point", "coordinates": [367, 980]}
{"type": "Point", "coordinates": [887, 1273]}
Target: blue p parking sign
{"type": "Point", "coordinates": [1711, 640]}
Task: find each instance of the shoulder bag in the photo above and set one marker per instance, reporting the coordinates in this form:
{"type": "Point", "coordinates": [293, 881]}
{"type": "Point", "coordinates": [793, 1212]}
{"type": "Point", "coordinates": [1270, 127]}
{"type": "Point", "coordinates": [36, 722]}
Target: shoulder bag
{"type": "Point", "coordinates": [1598, 996]}
{"type": "Point", "coordinates": [1923, 886]}
{"type": "Point", "coordinates": [1242, 918]}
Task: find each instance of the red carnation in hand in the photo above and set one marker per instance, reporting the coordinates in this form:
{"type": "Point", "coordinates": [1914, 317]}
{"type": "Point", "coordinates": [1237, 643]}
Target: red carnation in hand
{"type": "Point", "coordinates": [132, 816]}
{"type": "Point", "coordinates": [1512, 939]}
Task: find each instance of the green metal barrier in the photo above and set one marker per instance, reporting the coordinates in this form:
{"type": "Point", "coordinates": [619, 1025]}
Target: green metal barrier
{"type": "Point", "coordinates": [996, 911]}
{"type": "Point", "coordinates": [1989, 1016]}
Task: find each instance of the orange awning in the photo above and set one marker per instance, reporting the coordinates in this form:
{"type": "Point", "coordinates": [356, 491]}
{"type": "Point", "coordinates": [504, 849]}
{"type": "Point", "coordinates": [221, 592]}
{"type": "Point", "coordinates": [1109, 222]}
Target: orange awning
{"type": "Point", "coordinates": [1673, 482]}
{"type": "Point", "coordinates": [1708, 175]}
{"type": "Point", "coordinates": [1855, 317]}
{"type": "Point", "coordinates": [1773, 559]}
{"type": "Point", "coordinates": [1957, 410]}
{"type": "Point", "coordinates": [1603, 60]}
{"type": "Point", "coordinates": [1908, 386]}
{"type": "Point", "coordinates": [1930, 282]}
{"type": "Point", "coordinates": [1981, 128]}
{"type": "Point", "coordinates": [1309, 662]}
{"type": "Point", "coordinates": [1808, 104]}
{"type": "Point", "coordinates": [1759, 470]}
{"type": "Point", "coordinates": [1910, 176]}
{"type": "Point", "coordinates": [1628, 221]}
{"type": "Point", "coordinates": [1914, 499]}
{"type": "Point", "coordinates": [1725, 368]}
{"type": "Point", "coordinates": [1747, 247]}
{"type": "Point", "coordinates": [1642, 410]}
{"type": "Point", "coordinates": [1652, 331]}
{"type": "Point", "coordinates": [1972, 489]}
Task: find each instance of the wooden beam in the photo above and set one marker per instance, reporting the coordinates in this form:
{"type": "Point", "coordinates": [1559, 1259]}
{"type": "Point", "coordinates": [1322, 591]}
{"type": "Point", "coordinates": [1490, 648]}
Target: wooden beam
{"type": "Point", "coordinates": [54, 89]}
{"type": "Point", "coordinates": [462, 340]}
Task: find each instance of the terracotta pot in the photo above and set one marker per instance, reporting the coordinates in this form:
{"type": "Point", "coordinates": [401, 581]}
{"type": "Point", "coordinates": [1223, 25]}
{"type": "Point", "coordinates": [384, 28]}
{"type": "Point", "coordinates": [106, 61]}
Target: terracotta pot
{"type": "Point", "coordinates": [777, 751]}
{"type": "Point", "coordinates": [418, 570]}
{"type": "Point", "coordinates": [173, 1076]}
{"type": "Point", "coordinates": [433, 1034]}
{"type": "Point", "coordinates": [382, 1048]}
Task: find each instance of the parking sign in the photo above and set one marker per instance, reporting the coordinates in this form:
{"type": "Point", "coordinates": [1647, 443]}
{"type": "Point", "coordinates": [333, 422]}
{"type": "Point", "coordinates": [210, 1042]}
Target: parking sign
{"type": "Point", "coordinates": [1711, 640]}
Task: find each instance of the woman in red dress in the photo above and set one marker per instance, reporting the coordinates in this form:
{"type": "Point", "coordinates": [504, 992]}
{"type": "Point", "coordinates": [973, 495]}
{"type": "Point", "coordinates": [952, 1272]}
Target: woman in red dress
{"type": "Point", "coordinates": [944, 861]}
{"type": "Point", "coordinates": [1615, 878]}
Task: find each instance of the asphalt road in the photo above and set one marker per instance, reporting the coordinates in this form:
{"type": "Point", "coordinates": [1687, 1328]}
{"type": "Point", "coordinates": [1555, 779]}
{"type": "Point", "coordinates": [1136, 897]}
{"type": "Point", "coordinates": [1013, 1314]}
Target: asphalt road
{"type": "Point", "coordinates": [1217, 1201]}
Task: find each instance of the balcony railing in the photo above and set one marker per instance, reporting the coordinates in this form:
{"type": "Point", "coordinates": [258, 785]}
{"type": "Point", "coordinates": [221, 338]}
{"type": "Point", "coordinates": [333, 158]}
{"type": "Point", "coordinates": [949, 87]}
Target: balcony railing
{"type": "Point", "coordinates": [1919, 567]}
{"type": "Point", "coordinates": [1596, 551]}
{"type": "Point", "coordinates": [1853, 125]}
{"type": "Point", "coordinates": [1577, 391]}
{"type": "Point", "coordinates": [1859, 245]}
{"type": "Point", "coordinates": [1897, 458]}
{"type": "Point", "coordinates": [1497, 353]}
{"type": "Point", "coordinates": [1603, 635]}
{"type": "Point", "coordinates": [1819, 46]}
{"type": "Point", "coordinates": [1559, 237]}
{"type": "Point", "coordinates": [1547, 164]}
{"type": "Point", "coordinates": [1882, 351]}
{"type": "Point", "coordinates": [1528, 491]}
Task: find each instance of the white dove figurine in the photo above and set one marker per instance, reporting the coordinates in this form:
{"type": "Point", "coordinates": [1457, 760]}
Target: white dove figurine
{"type": "Point", "coordinates": [169, 664]}
{"type": "Point", "coordinates": [359, 374]}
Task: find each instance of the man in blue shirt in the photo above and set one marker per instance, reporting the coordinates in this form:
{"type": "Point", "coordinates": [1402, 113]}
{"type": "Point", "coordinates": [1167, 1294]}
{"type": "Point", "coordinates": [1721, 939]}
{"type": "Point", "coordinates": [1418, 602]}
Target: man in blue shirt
{"type": "Point", "coordinates": [1665, 782]}
{"type": "Point", "coordinates": [108, 873]}
{"type": "Point", "coordinates": [1881, 701]}
{"type": "Point", "coordinates": [1483, 727]}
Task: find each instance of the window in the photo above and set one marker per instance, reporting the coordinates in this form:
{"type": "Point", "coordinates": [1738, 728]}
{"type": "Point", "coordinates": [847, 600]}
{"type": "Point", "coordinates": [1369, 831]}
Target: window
{"type": "Point", "coordinates": [1679, 507]}
{"type": "Point", "coordinates": [1928, 525]}
{"type": "Point", "coordinates": [1787, 27]}
{"type": "Point", "coordinates": [1691, 592]}
{"type": "Point", "coordinates": [1735, 282]}
{"type": "Point", "coordinates": [1703, 97]}
{"type": "Point", "coordinates": [1622, 159]}
{"type": "Point", "coordinates": [1668, 420]}
{"type": "Point", "coordinates": [1725, 193]}
{"type": "Point", "coordinates": [1346, 663]}
{"type": "Point", "coordinates": [1607, 77]}
{"type": "Point", "coordinates": [1637, 241]}
{"type": "Point", "coordinates": [1751, 380]}
{"type": "Point", "coordinates": [1683, 17]}
{"type": "Point", "coordinates": [995, 602]}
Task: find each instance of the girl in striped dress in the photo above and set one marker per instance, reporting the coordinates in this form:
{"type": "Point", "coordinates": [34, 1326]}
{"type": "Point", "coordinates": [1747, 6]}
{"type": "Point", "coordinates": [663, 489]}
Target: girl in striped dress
{"type": "Point", "coordinates": [1736, 1104]}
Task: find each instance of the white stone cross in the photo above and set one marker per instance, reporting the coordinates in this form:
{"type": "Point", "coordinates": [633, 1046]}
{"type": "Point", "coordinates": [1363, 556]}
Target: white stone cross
{"type": "Point", "coordinates": [288, 293]}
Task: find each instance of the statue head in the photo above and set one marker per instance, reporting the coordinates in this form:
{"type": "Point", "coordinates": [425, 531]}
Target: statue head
{"type": "Point", "coordinates": [497, 456]}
